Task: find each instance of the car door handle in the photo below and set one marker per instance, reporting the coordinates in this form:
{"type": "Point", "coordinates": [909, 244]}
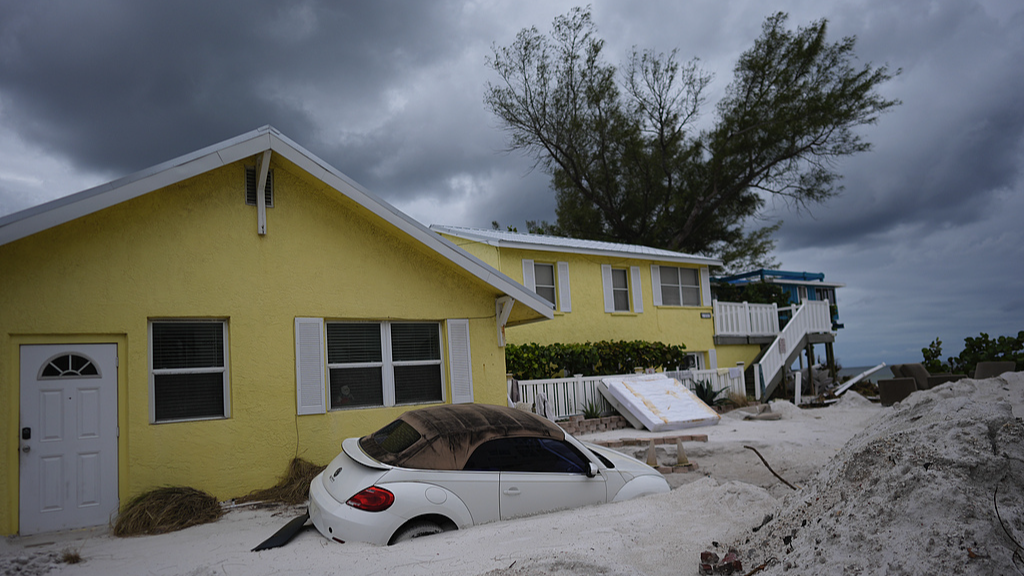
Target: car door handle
{"type": "Point", "coordinates": [513, 491]}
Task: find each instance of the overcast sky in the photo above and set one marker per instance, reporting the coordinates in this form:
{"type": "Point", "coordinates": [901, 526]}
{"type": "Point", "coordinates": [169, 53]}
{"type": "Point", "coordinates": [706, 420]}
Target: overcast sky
{"type": "Point", "coordinates": [928, 235]}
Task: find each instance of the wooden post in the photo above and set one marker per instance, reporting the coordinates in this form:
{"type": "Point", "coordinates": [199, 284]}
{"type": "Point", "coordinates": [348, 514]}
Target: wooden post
{"type": "Point", "coordinates": [810, 368]}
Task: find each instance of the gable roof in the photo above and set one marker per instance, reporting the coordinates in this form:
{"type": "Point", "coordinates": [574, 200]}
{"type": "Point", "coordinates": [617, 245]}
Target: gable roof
{"type": "Point", "coordinates": [546, 243]}
{"type": "Point", "coordinates": [56, 212]}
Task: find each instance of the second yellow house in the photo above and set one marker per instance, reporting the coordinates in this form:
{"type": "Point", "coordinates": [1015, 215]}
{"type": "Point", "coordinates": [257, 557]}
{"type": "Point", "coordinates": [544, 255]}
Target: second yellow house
{"type": "Point", "coordinates": [608, 291]}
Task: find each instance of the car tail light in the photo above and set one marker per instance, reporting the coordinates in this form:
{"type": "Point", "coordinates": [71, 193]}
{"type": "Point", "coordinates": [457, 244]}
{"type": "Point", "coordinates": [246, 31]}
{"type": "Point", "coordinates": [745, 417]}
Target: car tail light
{"type": "Point", "coordinates": [372, 499]}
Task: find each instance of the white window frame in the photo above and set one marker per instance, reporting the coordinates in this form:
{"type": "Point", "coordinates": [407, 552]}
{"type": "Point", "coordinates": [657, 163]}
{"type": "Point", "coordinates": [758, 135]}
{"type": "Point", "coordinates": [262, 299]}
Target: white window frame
{"type": "Point", "coordinates": [223, 370]}
{"type": "Point", "coordinates": [387, 364]}
{"type": "Point", "coordinates": [658, 281]}
{"type": "Point", "coordinates": [554, 281]}
{"type": "Point", "coordinates": [560, 273]}
{"type": "Point", "coordinates": [634, 289]}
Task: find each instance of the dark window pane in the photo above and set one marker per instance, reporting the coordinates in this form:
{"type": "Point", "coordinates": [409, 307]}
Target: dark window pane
{"type": "Point", "coordinates": [669, 275]}
{"type": "Point", "coordinates": [621, 300]}
{"type": "Point", "coordinates": [396, 436]}
{"type": "Point", "coordinates": [188, 345]}
{"type": "Point", "coordinates": [352, 387]}
{"type": "Point", "coordinates": [691, 296]}
{"type": "Point", "coordinates": [619, 279]}
{"type": "Point", "coordinates": [544, 274]}
{"type": "Point", "coordinates": [412, 342]}
{"type": "Point", "coordinates": [670, 296]}
{"type": "Point", "coordinates": [180, 396]}
{"type": "Point", "coordinates": [547, 293]}
{"type": "Point", "coordinates": [418, 384]}
{"type": "Point", "coordinates": [565, 457]}
{"type": "Point", "coordinates": [688, 276]}
{"type": "Point", "coordinates": [527, 455]}
{"type": "Point", "coordinates": [353, 342]}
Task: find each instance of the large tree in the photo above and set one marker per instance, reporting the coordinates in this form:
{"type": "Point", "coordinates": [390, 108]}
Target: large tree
{"type": "Point", "coordinates": [627, 160]}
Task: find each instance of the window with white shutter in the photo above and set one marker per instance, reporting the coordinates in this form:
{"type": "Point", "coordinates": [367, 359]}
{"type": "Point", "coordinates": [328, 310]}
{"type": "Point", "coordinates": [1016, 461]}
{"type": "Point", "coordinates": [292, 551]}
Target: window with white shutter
{"type": "Point", "coordinates": [309, 365]}
{"type": "Point", "coordinates": [460, 361]}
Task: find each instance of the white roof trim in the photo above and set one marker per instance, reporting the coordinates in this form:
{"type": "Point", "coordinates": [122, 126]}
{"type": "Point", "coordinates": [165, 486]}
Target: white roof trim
{"type": "Point", "coordinates": [544, 243]}
{"type": "Point", "coordinates": [56, 212]}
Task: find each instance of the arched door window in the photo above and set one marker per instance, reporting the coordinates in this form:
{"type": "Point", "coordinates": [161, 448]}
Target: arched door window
{"type": "Point", "coordinates": [69, 365]}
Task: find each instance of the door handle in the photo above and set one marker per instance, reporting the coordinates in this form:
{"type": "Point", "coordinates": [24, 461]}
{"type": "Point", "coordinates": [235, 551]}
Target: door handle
{"type": "Point", "coordinates": [513, 491]}
{"type": "Point", "coordinates": [26, 449]}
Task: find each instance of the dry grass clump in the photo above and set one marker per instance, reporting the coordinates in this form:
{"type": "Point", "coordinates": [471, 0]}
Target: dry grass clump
{"type": "Point", "coordinates": [166, 510]}
{"type": "Point", "coordinates": [740, 400]}
{"type": "Point", "coordinates": [292, 488]}
{"type": "Point", "coordinates": [70, 556]}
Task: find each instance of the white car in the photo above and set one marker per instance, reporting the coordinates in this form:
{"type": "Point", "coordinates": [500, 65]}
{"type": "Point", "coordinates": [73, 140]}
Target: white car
{"type": "Point", "coordinates": [452, 466]}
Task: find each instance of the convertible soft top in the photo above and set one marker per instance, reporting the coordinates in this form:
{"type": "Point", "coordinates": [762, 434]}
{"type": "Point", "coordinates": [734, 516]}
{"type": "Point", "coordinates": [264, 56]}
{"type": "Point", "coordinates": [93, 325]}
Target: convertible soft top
{"type": "Point", "coordinates": [443, 437]}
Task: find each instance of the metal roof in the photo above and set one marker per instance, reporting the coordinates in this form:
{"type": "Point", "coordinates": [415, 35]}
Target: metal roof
{"type": "Point", "coordinates": [779, 277]}
{"type": "Point", "coordinates": [56, 212]}
{"type": "Point", "coordinates": [542, 242]}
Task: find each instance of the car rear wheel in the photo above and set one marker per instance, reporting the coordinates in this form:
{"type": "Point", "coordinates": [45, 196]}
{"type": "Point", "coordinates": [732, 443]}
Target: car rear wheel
{"type": "Point", "coordinates": [416, 529]}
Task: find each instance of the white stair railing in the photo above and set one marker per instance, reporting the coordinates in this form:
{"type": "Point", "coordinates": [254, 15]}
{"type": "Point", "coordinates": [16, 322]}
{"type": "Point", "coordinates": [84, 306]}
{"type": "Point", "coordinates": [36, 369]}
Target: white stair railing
{"type": "Point", "coordinates": [812, 317]}
{"type": "Point", "coordinates": [743, 319]}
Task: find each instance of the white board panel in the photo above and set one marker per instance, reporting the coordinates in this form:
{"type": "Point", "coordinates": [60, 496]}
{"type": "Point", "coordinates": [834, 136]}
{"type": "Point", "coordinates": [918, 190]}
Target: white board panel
{"type": "Point", "coordinates": [660, 403]}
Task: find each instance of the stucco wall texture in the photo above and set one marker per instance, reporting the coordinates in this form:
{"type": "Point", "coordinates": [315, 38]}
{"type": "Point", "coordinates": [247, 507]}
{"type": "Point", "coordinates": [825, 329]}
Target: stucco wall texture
{"type": "Point", "coordinates": [191, 250]}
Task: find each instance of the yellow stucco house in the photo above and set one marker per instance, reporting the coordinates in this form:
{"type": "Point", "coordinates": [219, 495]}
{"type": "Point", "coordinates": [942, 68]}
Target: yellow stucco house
{"type": "Point", "coordinates": [176, 327]}
{"type": "Point", "coordinates": [609, 291]}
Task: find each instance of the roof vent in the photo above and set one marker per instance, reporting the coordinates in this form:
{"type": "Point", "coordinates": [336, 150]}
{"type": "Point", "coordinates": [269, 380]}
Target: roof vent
{"type": "Point", "coordinates": [251, 176]}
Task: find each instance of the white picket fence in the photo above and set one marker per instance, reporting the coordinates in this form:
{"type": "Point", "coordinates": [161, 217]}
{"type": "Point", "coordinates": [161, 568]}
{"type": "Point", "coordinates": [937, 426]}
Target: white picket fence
{"type": "Point", "coordinates": [570, 396]}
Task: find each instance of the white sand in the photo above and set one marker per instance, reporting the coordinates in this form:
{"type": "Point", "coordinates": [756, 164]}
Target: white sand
{"type": "Point", "coordinates": [730, 494]}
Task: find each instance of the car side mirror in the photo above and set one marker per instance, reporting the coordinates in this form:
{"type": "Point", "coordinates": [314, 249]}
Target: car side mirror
{"type": "Point", "coordinates": [591, 469]}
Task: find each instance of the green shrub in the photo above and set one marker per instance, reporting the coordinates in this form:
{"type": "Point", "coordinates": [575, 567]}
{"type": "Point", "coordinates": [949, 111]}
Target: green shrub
{"type": "Point", "coordinates": [980, 349]}
{"type": "Point", "coordinates": [535, 361]}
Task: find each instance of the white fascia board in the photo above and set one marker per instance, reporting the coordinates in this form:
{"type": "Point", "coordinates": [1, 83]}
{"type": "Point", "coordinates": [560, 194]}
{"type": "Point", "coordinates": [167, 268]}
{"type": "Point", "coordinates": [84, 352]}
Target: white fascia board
{"type": "Point", "coordinates": [540, 247]}
{"type": "Point", "coordinates": [612, 254]}
{"type": "Point", "coordinates": [56, 212]}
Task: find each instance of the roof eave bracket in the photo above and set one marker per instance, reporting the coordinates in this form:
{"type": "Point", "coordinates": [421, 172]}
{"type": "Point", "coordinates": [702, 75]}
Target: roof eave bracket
{"type": "Point", "coordinates": [502, 309]}
{"type": "Point", "coordinates": [261, 195]}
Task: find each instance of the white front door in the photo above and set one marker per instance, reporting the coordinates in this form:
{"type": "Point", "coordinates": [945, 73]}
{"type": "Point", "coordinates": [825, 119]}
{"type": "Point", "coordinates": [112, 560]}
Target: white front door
{"type": "Point", "coordinates": [67, 436]}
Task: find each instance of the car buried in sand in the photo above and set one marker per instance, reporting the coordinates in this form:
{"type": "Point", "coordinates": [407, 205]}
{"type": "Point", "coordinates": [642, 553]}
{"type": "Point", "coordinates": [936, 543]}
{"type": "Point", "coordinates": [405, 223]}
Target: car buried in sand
{"type": "Point", "coordinates": [453, 466]}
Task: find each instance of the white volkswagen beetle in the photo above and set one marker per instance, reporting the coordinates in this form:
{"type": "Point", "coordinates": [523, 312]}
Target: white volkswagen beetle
{"type": "Point", "coordinates": [452, 466]}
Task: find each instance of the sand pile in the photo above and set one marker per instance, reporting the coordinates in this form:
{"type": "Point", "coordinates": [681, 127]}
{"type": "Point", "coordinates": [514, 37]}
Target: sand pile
{"type": "Point", "coordinates": [933, 486]}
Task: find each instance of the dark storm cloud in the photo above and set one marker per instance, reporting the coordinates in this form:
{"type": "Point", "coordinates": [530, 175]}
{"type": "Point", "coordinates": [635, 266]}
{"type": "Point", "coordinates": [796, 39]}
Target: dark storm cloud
{"type": "Point", "coordinates": [926, 235]}
{"type": "Point", "coordinates": [124, 85]}
{"type": "Point", "coordinates": [943, 156]}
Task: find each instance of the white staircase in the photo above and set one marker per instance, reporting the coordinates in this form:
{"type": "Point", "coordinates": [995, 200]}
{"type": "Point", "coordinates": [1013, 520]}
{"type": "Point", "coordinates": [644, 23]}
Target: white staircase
{"type": "Point", "coordinates": [811, 317]}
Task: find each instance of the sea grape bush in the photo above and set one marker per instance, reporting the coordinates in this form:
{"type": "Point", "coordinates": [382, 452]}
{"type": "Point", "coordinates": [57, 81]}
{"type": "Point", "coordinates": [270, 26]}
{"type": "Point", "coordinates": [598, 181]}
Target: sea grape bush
{"type": "Point", "coordinates": [980, 349]}
{"type": "Point", "coordinates": [536, 361]}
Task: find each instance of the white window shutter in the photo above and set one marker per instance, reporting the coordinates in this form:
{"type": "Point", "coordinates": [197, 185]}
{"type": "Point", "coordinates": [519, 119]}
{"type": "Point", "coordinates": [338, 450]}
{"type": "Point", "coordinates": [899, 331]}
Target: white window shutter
{"type": "Point", "coordinates": [564, 297]}
{"type": "Point", "coordinates": [705, 286]}
{"type": "Point", "coordinates": [460, 361]}
{"type": "Point", "coordinates": [606, 284]}
{"type": "Point", "coordinates": [638, 293]}
{"type": "Point", "coordinates": [529, 276]}
{"type": "Point", "coordinates": [656, 284]}
{"type": "Point", "coordinates": [309, 366]}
